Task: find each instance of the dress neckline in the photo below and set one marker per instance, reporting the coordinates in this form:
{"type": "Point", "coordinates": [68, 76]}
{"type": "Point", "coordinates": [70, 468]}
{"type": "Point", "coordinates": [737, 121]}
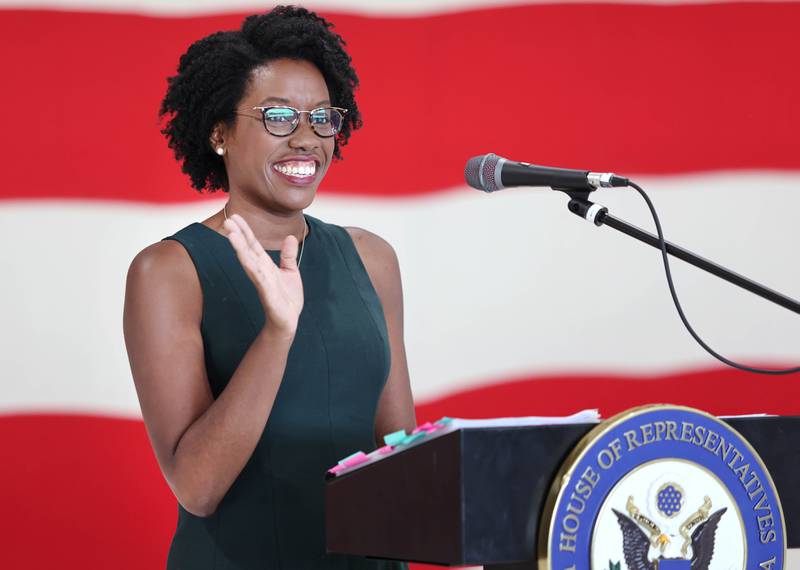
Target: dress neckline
{"type": "Point", "coordinates": [301, 245]}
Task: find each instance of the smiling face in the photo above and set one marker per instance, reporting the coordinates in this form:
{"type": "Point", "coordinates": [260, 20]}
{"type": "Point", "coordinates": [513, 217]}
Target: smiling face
{"type": "Point", "coordinates": [280, 174]}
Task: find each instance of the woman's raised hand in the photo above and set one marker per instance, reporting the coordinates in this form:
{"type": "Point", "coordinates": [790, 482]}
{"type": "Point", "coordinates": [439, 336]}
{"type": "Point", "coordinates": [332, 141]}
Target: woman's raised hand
{"type": "Point", "coordinates": [280, 289]}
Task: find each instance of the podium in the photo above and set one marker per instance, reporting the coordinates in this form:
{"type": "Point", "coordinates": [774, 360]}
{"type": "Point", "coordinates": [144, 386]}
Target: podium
{"type": "Point", "coordinates": [475, 496]}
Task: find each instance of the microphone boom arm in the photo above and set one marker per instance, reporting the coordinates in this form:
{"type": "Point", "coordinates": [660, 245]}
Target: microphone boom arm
{"type": "Point", "coordinates": [580, 205]}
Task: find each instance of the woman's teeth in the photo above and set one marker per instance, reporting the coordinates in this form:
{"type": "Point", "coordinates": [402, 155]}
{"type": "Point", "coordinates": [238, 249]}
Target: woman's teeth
{"type": "Point", "coordinates": [298, 169]}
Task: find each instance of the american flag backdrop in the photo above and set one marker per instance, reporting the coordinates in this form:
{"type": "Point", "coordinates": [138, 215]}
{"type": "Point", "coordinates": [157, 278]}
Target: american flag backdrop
{"type": "Point", "coordinates": [513, 306]}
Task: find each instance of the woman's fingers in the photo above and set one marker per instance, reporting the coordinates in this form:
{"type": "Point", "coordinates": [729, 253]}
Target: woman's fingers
{"type": "Point", "coordinates": [237, 239]}
{"type": "Point", "coordinates": [289, 253]}
{"type": "Point", "coordinates": [254, 244]}
{"type": "Point", "coordinates": [239, 227]}
{"type": "Point", "coordinates": [280, 289]}
{"type": "Point", "coordinates": [253, 256]}
{"type": "Point", "coordinates": [235, 236]}
{"type": "Point", "coordinates": [257, 266]}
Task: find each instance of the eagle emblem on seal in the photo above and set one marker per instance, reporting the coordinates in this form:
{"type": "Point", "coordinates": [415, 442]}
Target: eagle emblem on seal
{"type": "Point", "coordinates": [640, 534]}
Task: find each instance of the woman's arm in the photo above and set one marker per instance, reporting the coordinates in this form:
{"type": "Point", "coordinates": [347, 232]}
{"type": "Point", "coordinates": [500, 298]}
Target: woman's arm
{"type": "Point", "coordinates": [396, 405]}
{"type": "Point", "coordinates": [201, 444]}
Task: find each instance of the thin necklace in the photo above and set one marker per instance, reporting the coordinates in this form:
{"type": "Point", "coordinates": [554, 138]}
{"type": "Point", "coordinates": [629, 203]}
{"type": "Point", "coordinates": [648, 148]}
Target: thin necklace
{"type": "Point", "coordinates": [302, 243]}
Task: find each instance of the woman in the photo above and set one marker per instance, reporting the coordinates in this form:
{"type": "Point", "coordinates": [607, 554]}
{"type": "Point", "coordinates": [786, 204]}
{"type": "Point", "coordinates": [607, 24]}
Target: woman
{"type": "Point", "coordinates": [256, 370]}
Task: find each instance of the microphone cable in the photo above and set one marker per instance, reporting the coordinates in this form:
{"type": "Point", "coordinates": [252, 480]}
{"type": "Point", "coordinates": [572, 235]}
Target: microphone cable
{"type": "Point", "coordinates": [708, 349]}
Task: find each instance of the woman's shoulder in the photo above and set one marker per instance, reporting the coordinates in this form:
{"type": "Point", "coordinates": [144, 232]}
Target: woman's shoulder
{"type": "Point", "coordinates": [163, 263]}
{"type": "Point", "coordinates": [161, 256]}
{"type": "Point", "coordinates": [370, 244]}
{"type": "Point", "coordinates": [380, 261]}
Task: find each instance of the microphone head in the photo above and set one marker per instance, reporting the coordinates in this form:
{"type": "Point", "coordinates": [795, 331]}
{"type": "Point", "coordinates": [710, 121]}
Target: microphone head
{"type": "Point", "coordinates": [483, 172]}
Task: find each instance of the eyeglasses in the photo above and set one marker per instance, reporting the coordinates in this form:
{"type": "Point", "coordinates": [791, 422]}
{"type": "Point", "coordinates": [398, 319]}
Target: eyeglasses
{"type": "Point", "coordinates": [282, 121]}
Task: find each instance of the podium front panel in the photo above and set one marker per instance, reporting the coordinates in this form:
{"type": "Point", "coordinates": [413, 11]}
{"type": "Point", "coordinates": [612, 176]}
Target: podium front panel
{"type": "Point", "coordinates": [475, 496]}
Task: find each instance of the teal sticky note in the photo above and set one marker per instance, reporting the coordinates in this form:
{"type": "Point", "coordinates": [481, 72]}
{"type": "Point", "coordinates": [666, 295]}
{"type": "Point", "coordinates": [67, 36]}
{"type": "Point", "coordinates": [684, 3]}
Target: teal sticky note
{"type": "Point", "coordinates": [444, 420]}
{"type": "Point", "coordinates": [395, 437]}
{"type": "Point", "coordinates": [413, 437]}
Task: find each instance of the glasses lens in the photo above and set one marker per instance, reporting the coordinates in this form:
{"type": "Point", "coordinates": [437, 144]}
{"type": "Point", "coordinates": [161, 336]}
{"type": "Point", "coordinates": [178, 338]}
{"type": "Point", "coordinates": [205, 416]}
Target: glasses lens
{"type": "Point", "coordinates": [326, 122]}
{"type": "Point", "coordinates": [280, 120]}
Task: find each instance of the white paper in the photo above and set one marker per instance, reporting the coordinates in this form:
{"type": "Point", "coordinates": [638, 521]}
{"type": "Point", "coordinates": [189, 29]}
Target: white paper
{"type": "Point", "coordinates": [582, 417]}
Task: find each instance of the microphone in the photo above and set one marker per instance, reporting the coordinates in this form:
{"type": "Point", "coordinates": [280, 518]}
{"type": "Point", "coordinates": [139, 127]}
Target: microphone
{"type": "Point", "coordinates": [490, 173]}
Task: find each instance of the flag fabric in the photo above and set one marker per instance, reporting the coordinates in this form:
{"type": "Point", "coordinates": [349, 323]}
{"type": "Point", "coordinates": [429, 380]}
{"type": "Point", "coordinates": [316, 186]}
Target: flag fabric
{"type": "Point", "coordinates": [513, 306]}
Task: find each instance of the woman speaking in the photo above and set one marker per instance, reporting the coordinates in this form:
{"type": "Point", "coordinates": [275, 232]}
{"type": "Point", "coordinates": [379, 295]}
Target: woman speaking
{"type": "Point", "coordinates": [265, 344]}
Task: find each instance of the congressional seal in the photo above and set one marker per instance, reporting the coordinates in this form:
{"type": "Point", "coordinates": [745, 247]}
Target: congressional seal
{"type": "Point", "coordinates": [663, 488]}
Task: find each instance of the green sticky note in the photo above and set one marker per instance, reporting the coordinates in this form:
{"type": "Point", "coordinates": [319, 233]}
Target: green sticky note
{"type": "Point", "coordinates": [412, 438]}
{"type": "Point", "coordinates": [394, 438]}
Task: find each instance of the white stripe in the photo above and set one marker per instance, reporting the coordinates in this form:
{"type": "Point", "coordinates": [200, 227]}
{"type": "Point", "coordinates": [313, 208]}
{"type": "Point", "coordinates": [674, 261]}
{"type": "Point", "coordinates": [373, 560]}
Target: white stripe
{"type": "Point", "coordinates": [495, 285]}
{"type": "Point", "coordinates": [371, 7]}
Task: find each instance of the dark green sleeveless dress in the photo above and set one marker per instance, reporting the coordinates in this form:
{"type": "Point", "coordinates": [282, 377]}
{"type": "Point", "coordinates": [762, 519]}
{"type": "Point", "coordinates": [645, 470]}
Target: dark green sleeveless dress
{"type": "Point", "coordinates": [272, 517]}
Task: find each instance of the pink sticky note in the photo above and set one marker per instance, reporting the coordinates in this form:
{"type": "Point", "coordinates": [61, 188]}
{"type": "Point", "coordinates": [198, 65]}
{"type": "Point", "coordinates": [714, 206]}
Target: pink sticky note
{"type": "Point", "coordinates": [377, 453]}
{"type": "Point", "coordinates": [335, 469]}
{"type": "Point", "coordinates": [357, 459]}
{"type": "Point", "coordinates": [424, 427]}
{"type": "Point", "coordinates": [427, 427]}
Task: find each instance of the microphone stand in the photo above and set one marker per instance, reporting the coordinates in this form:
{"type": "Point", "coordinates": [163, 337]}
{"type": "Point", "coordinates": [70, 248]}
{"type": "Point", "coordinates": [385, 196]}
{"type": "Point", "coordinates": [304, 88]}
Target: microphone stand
{"type": "Point", "coordinates": [580, 205]}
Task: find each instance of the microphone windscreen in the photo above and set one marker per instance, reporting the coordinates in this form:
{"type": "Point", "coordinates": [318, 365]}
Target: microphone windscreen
{"type": "Point", "coordinates": [480, 172]}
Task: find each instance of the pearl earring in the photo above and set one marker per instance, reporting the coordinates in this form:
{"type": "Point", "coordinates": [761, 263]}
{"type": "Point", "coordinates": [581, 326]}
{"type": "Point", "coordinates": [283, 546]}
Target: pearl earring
{"type": "Point", "coordinates": [220, 150]}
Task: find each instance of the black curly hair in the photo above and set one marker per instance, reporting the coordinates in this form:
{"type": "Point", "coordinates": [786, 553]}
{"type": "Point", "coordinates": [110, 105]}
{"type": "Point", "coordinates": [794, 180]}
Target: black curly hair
{"type": "Point", "coordinates": [214, 73]}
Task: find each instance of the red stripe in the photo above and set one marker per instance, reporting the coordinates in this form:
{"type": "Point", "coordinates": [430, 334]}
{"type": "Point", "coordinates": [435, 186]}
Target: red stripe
{"type": "Point", "coordinates": [721, 391]}
{"type": "Point", "coordinates": [686, 88]}
{"type": "Point", "coordinates": [82, 491]}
